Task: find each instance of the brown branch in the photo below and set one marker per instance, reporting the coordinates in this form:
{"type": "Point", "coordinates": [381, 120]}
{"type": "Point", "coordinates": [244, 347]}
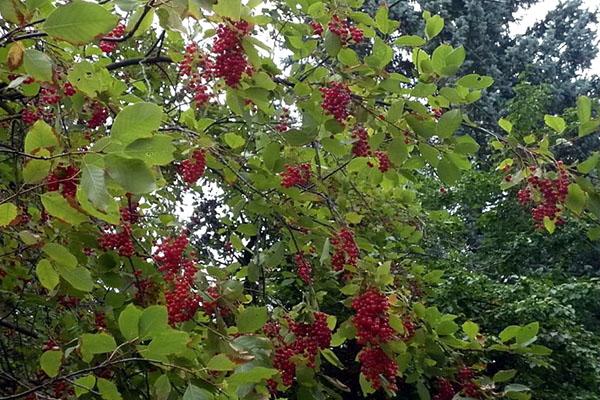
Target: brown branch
{"type": "Point", "coordinates": [17, 328]}
{"type": "Point", "coordinates": [139, 60]}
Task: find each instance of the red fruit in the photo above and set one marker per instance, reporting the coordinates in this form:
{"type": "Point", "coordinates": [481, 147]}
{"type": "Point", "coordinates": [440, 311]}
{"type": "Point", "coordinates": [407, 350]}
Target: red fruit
{"type": "Point", "coordinates": [230, 62]}
{"type": "Point", "coordinates": [317, 28]}
{"type": "Point", "coordinates": [345, 250]}
{"type": "Point", "coordinates": [384, 161]}
{"type": "Point", "coordinates": [375, 364]}
{"type": "Point", "coordinates": [68, 89]}
{"type": "Point", "coordinates": [193, 168]}
{"type": "Point", "coordinates": [360, 147]}
{"type": "Point", "coordinates": [296, 175]}
{"type": "Point", "coordinates": [304, 268]}
{"type": "Point", "coordinates": [99, 116]}
{"type": "Point", "coordinates": [336, 101]}
{"type": "Point", "coordinates": [108, 46]}
{"type": "Point", "coordinates": [371, 319]}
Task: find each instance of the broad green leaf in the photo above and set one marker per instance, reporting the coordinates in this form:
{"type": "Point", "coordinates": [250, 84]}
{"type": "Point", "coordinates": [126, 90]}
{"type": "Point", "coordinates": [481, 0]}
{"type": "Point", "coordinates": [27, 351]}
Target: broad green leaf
{"type": "Point", "coordinates": [79, 22]}
{"type": "Point", "coordinates": [40, 135]}
{"type": "Point", "coordinates": [34, 170]}
{"type": "Point", "coordinates": [527, 333]}
{"type": "Point", "coordinates": [448, 123]}
{"type": "Point", "coordinates": [57, 206]}
{"type": "Point", "coordinates": [332, 358]}
{"type": "Point", "coordinates": [348, 57]}
{"type": "Point", "coordinates": [251, 319]}
{"type": "Point", "coordinates": [50, 362]}
{"type": "Point", "coordinates": [515, 387]}
{"type": "Point", "coordinates": [162, 387]}
{"type": "Point", "coordinates": [381, 56]}
{"type": "Point", "coordinates": [8, 212]}
{"type": "Point", "coordinates": [549, 224]}
{"type": "Point", "coordinates": [233, 140]}
{"type": "Point", "coordinates": [231, 9]}
{"type": "Point", "coordinates": [79, 278]}
{"type": "Point", "coordinates": [84, 384]}
{"type": "Point", "coordinates": [465, 145]}
{"type": "Point", "coordinates": [153, 320]}
{"type": "Point", "coordinates": [332, 43]}
{"type": "Point", "coordinates": [505, 124]}
{"type": "Point", "coordinates": [557, 123]}
{"type": "Point", "coordinates": [504, 375]}
{"type": "Point", "coordinates": [434, 26]}
{"type": "Point", "coordinates": [509, 332]}
{"type": "Point", "coordinates": [474, 81]}
{"type": "Point", "coordinates": [93, 181]}
{"type": "Point", "coordinates": [129, 322]}
{"type": "Point", "coordinates": [157, 150]}
{"type": "Point", "coordinates": [96, 343]}
{"type": "Point", "coordinates": [132, 174]}
{"type": "Point", "coordinates": [195, 393]}
{"type": "Point", "coordinates": [38, 65]}
{"type": "Point", "coordinates": [264, 81]}
{"type": "Point", "coordinates": [46, 274]}
{"type": "Point", "coordinates": [220, 362]}
{"type": "Point", "coordinates": [168, 342]}
{"type": "Point", "coordinates": [60, 254]}
{"type": "Point", "coordinates": [589, 164]}
{"type": "Point", "coordinates": [584, 109]}
{"type": "Point", "coordinates": [108, 390]}
{"type": "Point", "coordinates": [447, 171]}
{"type": "Point", "coordinates": [471, 329]}
{"type": "Point", "coordinates": [410, 41]}
{"type": "Point", "coordinates": [136, 121]}
{"type": "Point", "coordinates": [253, 375]}
{"type": "Point", "coordinates": [422, 391]}
{"type": "Point", "coordinates": [576, 198]}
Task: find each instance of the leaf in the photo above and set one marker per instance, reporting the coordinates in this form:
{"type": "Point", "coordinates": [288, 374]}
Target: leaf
{"type": "Point", "coordinates": [576, 198]}
{"type": "Point", "coordinates": [549, 225]}
{"type": "Point", "coordinates": [447, 171]}
{"type": "Point", "coordinates": [195, 393]}
{"type": "Point", "coordinates": [132, 174]}
{"type": "Point", "coordinates": [14, 58]}
{"type": "Point", "coordinates": [40, 135]}
{"type": "Point", "coordinates": [557, 123]}
{"type": "Point", "coordinates": [8, 212]}
{"type": "Point", "coordinates": [254, 375]}
{"type": "Point", "coordinates": [504, 375]}
{"type": "Point", "coordinates": [348, 57]}
{"type": "Point", "coordinates": [35, 171]}
{"type": "Point", "coordinates": [168, 342]}
{"type": "Point", "coordinates": [448, 123]}
{"type": "Point", "coordinates": [129, 320]}
{"type": "Point", "coordinates": [46, 274]}
{"type": "Point", "coordinates": [229, 9]}
{"type": "Point", "coordinates": [296, 137]}
{"type": "Point", "coordinates": [505, 124]}
{"type": "Point", "coordinates": [162, 387]}
{"type": "Point", "coordinates": [84, 384]}
{"type": "Point", "coordinates": [251, 319]}
{"type": "Point", "coordinates": [38, 65]}
{"type": "Point", "coordinates": [410, 41]}
{"type": "Point", "coordinates": [57, 206]}
{"type": "Point", "coordinates": [79, 278]}
{"type": "Point", "coordinates": [233, 140]}
{"type": "Point", "coordinates": [220, 362]}
{"type": "Point", "coordinates": [96, 343]}
{"type": "Point", "coordinates": [509, 332]}
{"type": "Point", "coordinates": [79, 22]}
{"type": "Point", "coordinates": [381, 56]}
{"type": "Point", "coordinates": [136, 121]}
{"type": "Point", "coordinates": [434, 26]}
{"type": "Point", "coordinates": [153, 320]}
{"type": "Point", "coordinates": [60, 254]}
{"type": "Point", "coordinates": [471, 329]}
{"type": "Point", "coordinates": [50, 362]}
{"type": "Point", "coordinates": [332, 43]}
{"type": "Point", "coordinates": [332, 358]}
{"type": "Point", "coordinates": [527, 333]}
{"type": "Point", "coordinates": [422, 391]}
{"type": "Point", "coordinates": [515, 387]}
{"type": "Point", "coordinates": [108, 390]}
{"type": "Point", "coordinates": [475, 81]}
{"type": "Point", "coordinates": [584, 109]}
{"type": "Point", "coordinates": [588, 165]}
{"type": "Point", "coordinates": [157, 150]}
{"type": "Point", "coordinates": [93, 181]}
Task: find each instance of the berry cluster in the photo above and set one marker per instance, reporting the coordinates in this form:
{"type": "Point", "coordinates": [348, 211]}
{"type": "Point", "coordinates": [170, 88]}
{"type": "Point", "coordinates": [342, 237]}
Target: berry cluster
{"type": "Point", "coordinates": [108, 46]}
{"type": "Point", "coordinates": [231, 61]}
{"type": "Point", "coordinates": [384, 161]}
{"type": "Point", "coordinates": [146, 289]}
{"type": "Point", "coordinates": [296, 175]}
{"type": "Point", "coordinates": [130, 213]}
{"type": "Point", "coordinates": [345, 250]}
{"type": "Point", "coordinates": [371, 319]}
{"type": "Point", "coordinates": [100, 321]}
{"type": "Point", "coordinates": [283, 124]}
{"type": "Point", "coordinates": [303, 268]}
{"type": "Point", "coordinates": [99, 116]}
{"type": "Point", "coordinates": [308, 339]}
{"type": "Point", "coordinates": [468, 386]}
{"type": "Point", "coordinates": [195, 84]}
{"type": "Point", "coordinates": [193, 168]}
{"type": "Point", "coordinates": [346, 32]}
{"type": "Point", "coordinates": [49, 95]}
{"type": "Point", "coordinates": [445, 390]}
{"type": "Point", "coordinates": [63, 390]}
{"type": "Point", "coordinates": [210, 306]}
{"type": "Point", "coordinates": [179, 272]}
{"type": "Point", "coordinates": [316, 27]}
{"type": "Point", "coordinates": [68, 89]}
{"type": "Point", "coordinates": [63, 179]}
{"type": "Point", "coordinates": [336, 101]}
{"type": "Point", "coordinates": [375, 364]}
{"type": "Point", "coordinates": [553, 193]}
{"type": "Point", "coordinates": [118, 240]}
{"type": "Point", "coordinates": [360, 147]}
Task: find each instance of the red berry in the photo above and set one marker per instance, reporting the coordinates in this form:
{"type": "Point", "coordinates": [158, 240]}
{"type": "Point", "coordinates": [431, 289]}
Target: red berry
{"type": "Point", "coordinates": [296, 175]}
{"type": "Point", "coordinates": [360, 147]}
{"type": "Point", "coordinates": [304, 268]}
{"type": "Point", "coordinates": [336, 101]}
{"type": "Point", "coordinates": [193, 168]}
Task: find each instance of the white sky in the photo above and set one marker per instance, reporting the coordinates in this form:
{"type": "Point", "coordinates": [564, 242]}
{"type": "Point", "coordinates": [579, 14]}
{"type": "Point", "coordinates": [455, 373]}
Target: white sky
{"type": "Point", "coordinates": [538, 12]}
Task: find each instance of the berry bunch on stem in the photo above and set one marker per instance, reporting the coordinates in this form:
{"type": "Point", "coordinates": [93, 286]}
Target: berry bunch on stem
{"type": "Point", "coordinates": [230, 62]}
{"type": "Point", "coordinates": [345, 250]}
{"type": "Point", "coordinates": [345, 31]}
{"type": "Point", "coordinates": [336, 101]}
{"type": "Point", "coordinates": [63, 179]}
{"type": "Point", "coordinates": [109, 46]}
{"type": "Point", "coordinates": [296, 175]}
{"type": "Point", "coordinates": [360, 147]}
{"type": "Point", "coordinates": [303, 268]}
{"type": "Point", "coordinates": [193, 168]}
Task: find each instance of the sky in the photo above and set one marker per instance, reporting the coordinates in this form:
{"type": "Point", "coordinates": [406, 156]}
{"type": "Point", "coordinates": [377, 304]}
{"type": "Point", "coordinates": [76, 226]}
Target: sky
{"type": "Point", "coordinates": [537, 12]}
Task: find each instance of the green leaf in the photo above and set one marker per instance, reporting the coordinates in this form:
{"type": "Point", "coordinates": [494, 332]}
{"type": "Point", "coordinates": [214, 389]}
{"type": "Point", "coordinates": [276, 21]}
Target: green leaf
{"type": "Point", "coordinates": [549, 225]}
{"type": "Point", "coordinates": [254, 375]}
{"type": "Point", "coordinates": [557, 123]}
{"type": "Point", "coordinates": [136, 121]}
{"type": "Point", "coordinates": [93, 181]}
{"type": "Point", "coordinates": [132, 174]}
{"type": "Point", "coordinates": [153, 320]}
{"type": "Point", "coordinates": [50, 362]}
{"type": "Point", "coordinates": [79, 22]}
{"type": "Point", "coordinates": [233, 140]}
{"type": "Point", "coordinates": [584, 109]}
{"type": "Point", "coordinates": [46, 274]}
{"type": "Point", "coordinates": [162, 387]}
{"type": "Point", "coordinates": [515, 387]}
{"type": "Point", "coordinates": [263, 80]}
{"type": "Point", "coordinates": [446, 328]}
{"type": "Point", "coordinates": [168, 342]}
{"type": "Point", "coordinates": [474, 81]}
{"type": "Point", "coordinates": [348, 57]}
{"type": "Point", "coordinates": [40, 135]}
{"type": "Point", "coordinates": [35, 171]}
{"type": "Point", "coordinates": [576, 198]}
{"type": "Point", "coordinates": [129, 322]}
{"type": "Point", "coordinates": [332, 43]}
{"type": "Point", "coordinates": [96, 343]}
{"type": "Point", "coordinates": [410, 41]}
{"type": "Point", "coordinates": [195, 393]}
{"type": "Point", "coordinates": [434, 26]}
{"type": "Point", "coordinates": [527, 333]}
{"type": "Point", "coordinates": [471, 329]}
{"type": "Point", "coordinates": [229, 9]}
{"type": "Point", "coordinates": [504, 375]}
{"type": "Point", "coordinates": [108, 390]}
{"type": "Point", "coordinates": [57, 206]}
{"type": "Point", "coordinates": [296, 137]}
{"type": "Point", "coordinates": [447, 171]}
{"type": "Point", "coordinates": [79, 278]}
{"type": "Point", "coordinates": [251, 319]}
{"type": "Point", "coordinates": [8, 212]}
{"type": "Point", "coordinates": [448, 123]}
{"type": "Point", "coordinates": [381, 56]}
{"type": "Point", "coordinates": [84, 384]}
{"type": "Point", "coordinates": [156, 150]}
{"type": "Point", "coordinates": [332, 358]}
{"type": "Point", "coordinates": [505, 124]}
{"type": "Point", "coordinates": [509, 332]}
{"type": "Point", "coordinates": [220, 362]}
{"type": "Point", "coordinates": [60, 254]}
{"type": "Point", "coordinates": [38, 65]}
{"type": "Point", "coordinates": [588, 165]}
{"type": "Point", "coordinates": [422, 391]}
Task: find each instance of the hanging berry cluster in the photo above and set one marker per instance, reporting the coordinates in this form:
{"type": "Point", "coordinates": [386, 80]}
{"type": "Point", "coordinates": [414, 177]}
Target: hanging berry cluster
{"type": "Point", "coordinates": [345, 250]}
{"type": "Point", "coordinates": [336, 101]}
{"type": "Point", "coordinates": [347, 33]}
{"type": "Point", "coordinates": [372, 330]}
{"type": "Point", "coordinates": [303, 268]}
{"type": "Point", "coordinates": [316, 27]}
{"type": "Point", "coordinates": [41, 107]}
{"type": "Point", "coordinates": [360, 147]}
{"type": "Point", "coordinates": [198, 78]}
{"type": "Point", "coordinates": [179, 272]}
{"type": "Point", "coordinates": [146, 290]}
{"type": "Point", "coordinates": [284, 120]}
{"type": "Point", "coordinates": [231, 62]}
{"type": "Point", "coordinates": [64, 179]}
{"type": "Point", "coordinates": [118, 239]}
{"type": "Point", "coordinates": [308, 340]}
{"type": "Point", "coordinates": [193, 168]}
{"type": "Point", "coordinates": [99, 115]}
{"type": "Point", "coordinates": [468, 386]}
{"type": "Point", "coordinates": [296, 175]}
{"type": "Point", "coordinates": [445, 390]}
{"type": "Point", "coordinates": [552, 193]}
{"type": "Point", "coordinates": [108, 46]}
{"type": "Point", "coordinates": [384, 161]}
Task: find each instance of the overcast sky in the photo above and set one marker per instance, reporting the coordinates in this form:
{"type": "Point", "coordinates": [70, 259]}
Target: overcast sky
{"type": "Point", "coordinates": [533, 14]}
